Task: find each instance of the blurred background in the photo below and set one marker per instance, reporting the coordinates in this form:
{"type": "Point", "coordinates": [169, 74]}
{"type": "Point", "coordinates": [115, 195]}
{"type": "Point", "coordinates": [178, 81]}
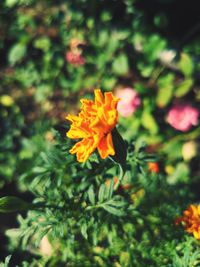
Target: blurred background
{"type": "Point", "coordinates": [52, 53]}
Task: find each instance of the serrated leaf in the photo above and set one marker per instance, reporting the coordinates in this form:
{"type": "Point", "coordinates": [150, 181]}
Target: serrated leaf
{"type": "Point", "coordinates": [183, 88]}
{"type": "Point", "coordinates": [91, 195]}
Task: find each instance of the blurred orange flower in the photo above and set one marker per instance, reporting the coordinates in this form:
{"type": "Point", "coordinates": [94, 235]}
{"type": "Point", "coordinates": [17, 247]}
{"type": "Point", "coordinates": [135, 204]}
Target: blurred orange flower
{"type": "Point", "coordinates": [93, 125]}
{"type": "Point", "coordinates": [153, 167]}
{"type": "Point", "coordinates": [191, 220]}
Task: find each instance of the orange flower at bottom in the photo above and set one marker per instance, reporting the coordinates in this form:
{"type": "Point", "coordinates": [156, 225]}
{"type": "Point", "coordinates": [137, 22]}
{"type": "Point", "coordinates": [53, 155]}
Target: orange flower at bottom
{"type": "Point", "coordinates": [93, 125]}
{"type": "Point", "coordinates": [191, 220]}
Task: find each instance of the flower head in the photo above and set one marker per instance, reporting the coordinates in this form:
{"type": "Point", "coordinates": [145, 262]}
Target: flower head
{"type": "Point", "coordinates": [191, 220]}
{"type": "Point", "coordinates": [6, 100]}
{"type": "Point", "coordinates": [75, 58]}
{"type": "Point", "coordinates": [129, 101]}
{"type": "Point", "coordinates": [153, 167]}
{"type": "Point", "coordinates": [167, 56]}
{"type": "Point", "coordinates": [94, 125]}
{"type": "Point", "coordinates": [182, 117]}
{"type": "Point", "coordinates": [189, 150]}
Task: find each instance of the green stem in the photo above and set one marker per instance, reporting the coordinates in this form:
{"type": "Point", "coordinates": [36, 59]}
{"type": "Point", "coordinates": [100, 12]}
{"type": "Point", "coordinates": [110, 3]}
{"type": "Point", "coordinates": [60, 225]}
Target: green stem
{"type": "Point", "coordinates": [155, 76]}
{"type": "Point", "coordinates": [122, 172]}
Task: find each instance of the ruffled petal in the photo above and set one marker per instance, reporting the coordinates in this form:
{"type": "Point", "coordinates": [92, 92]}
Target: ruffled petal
{"type": "Point", "coordinates": [73, 118]}
{"type": "Point", "coordinates": [79, 129]}
{"type": "Point", "coordinates": [110, 100]}
{"type": "Point", "coordinates": [86, 104]}
{"type": "Point", "coordinates": [77, 132]}
{"type": "Point", "coordinates": [99, 99]}
{"type": "Point", "coordinates": [84, 148]}
{"type": "Point", "coordinates": [105, 146]}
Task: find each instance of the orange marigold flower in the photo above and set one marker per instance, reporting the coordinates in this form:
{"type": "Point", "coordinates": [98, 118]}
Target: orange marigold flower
{"type": "Point", "coordinates": [191, 220]}
{"type": "Point", "coordinates": [153, 167]}
{"type": "Point", "coordinates": [94, 125]}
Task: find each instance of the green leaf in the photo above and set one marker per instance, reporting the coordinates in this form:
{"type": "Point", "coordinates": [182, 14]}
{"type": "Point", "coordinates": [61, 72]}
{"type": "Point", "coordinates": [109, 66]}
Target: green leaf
{"type": "Point", "coordinates": [145, 69]}
{"type": "Point", "coordinates": [183, 88]}
{"type": "Point", "coordinates": [153, 46]}
{"type": "Point", "coordinates": [164, 96]}
{"type": "Point", "coordinates": [103, 38]}
{"type": "Point", "coordinates": [108, 82]}
{"type": "Point", "coordinates": [39, 170]}
{"type": "Point", "coordinates": [113, 210]}
{"type": "Point", "coordinates": [12, 204]}
{"type": "Point", "coordinates": [180, 174]}
{"type": "Point", "coordinates": [6, 263]}
{"type": "Point", "coordinates": [91, 195]}
{"type": "Point", "coordinates": [11, 3]}
{"type": "Point", "coordinates": [41, 235]}
{"type": "Point", "coordinates": [150, 158]}
{"type": "Point", "coordinates": [102, 191]}
{"type": "Point", "coordinates": [165, 90]}
{"type": "Point", "coordinates": [110, 189]}
{"type": "Point", "coordinates": [117, 203]}
{"type": "Point", "coordinates": [186, 65]}
{"type": "Point", "coordinates": [84, 230]}
{"type": "Point", "coordinates": [149, 122]}
{"type": "Point", "coordinates": [42, 43]}
{"type": "Point", "coordinates": [16, 53]}
{"type": "Point", "coordinates": [120, 65]}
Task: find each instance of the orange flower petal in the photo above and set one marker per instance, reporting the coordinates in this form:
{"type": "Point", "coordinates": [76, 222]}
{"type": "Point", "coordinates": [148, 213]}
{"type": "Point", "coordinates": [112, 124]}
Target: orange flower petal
{"type": "Point", "coordinates": [77, 132]}
{"type": "Point", "coordinates": [110, 100]}
{"type": "Point", "coordinates": [99, 99]}
{"type": "Point", "coordinates": [105, 146]}
{"type": "Point", "coordinates": [78, 129]}
{"type": "Point", "coordinates": [196, 234]}
{"type": "Point", "coordinates": [73, 118]}
{"type": "Point", "coordinates": [83, 149]}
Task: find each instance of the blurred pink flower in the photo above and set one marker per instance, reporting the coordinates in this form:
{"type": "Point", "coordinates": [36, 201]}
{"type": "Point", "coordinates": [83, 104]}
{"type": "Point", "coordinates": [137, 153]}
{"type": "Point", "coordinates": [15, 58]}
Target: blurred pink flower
{"type": "Point", "coordinates": [129, 101]}
{"type": "Point", "coordinates": [75, 59]}
{"type": "Point", "coordinates": [182, 117]}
